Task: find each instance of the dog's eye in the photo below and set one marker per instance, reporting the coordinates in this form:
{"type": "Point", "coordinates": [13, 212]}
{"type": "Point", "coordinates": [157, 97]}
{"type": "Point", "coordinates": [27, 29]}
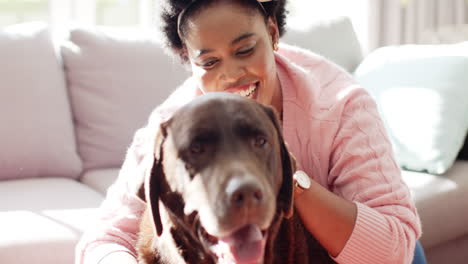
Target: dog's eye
{"type": "Point", "coordinates": [196, 148]}
{"type": "Point", "coordinates": [260, 141]}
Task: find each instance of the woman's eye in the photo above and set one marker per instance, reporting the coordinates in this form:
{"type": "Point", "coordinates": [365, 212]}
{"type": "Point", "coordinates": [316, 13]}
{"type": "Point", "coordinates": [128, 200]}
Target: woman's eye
{"type": "Point", "coordinates": [260, 141]}
{"type": "Point", "coordinates": [197, 148]}
{"type": "Point", "coordinates": [209, 64]}
{"type": "Point", "coordinates": [245, 52]}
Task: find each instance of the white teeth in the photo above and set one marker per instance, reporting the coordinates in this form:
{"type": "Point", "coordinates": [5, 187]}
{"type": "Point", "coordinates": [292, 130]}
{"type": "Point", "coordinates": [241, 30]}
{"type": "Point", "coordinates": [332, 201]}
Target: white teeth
{"type": "Point", "coordinates": [248, 91]}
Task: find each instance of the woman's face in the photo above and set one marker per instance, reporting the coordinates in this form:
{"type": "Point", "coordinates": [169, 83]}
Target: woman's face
{"type": "Point", "coordinates": [230, 49]}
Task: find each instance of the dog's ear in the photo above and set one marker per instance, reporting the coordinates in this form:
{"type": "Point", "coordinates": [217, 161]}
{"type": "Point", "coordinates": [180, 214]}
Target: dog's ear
{"type": "Point", "coordinates": [155, 179]}
{"type": "Point", "coordinates": [285, 196]}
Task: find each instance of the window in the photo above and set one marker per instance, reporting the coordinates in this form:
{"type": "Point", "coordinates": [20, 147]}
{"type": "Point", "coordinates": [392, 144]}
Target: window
{"type": "Point", "coordinates": [18, 11]}
{"type": "Point", "coordinates": [142, 12]}
{"type": "Point", "coordinates": [117, 12]}
{"type": "Point", "coordinates": [90, 12]}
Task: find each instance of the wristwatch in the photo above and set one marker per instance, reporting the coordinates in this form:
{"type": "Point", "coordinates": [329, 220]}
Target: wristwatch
{"type": "Point", "coordinates": [301, 182]}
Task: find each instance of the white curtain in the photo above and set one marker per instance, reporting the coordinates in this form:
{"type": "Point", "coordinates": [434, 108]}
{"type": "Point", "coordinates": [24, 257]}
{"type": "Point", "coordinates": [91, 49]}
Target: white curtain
{"type": "Point", "coordinates": [394, 22]}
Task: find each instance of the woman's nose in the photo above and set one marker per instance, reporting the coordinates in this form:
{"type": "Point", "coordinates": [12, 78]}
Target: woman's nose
{"type": "Point", "coordinates": [233, 71]}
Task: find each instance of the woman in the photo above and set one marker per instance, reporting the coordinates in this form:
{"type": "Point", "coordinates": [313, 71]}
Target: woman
{"type": "Point", "coordinates": [357, 205]}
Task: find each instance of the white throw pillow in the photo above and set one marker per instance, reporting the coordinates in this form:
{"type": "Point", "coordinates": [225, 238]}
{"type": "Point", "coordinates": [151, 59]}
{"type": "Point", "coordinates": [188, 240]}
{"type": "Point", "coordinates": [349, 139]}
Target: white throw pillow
{"type": "Point", "coordinates": [422, 94]}
{"type": "Point", "coordinates": [115, 77]}
{"type": "Point", "coordinates": [36, 133]}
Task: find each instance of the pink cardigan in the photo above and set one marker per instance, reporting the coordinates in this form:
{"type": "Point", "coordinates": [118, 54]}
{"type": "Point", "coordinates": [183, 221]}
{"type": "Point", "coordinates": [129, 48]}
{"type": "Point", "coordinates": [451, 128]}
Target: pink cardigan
{"type": "Point", "coordinates": [332, 127]}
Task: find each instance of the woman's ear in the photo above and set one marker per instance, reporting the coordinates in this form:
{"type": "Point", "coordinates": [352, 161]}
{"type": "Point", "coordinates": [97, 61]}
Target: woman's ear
{"type": "Point", "coordinates": [273, 30]}
{"type": "Point", "coordinates": [183, 55]}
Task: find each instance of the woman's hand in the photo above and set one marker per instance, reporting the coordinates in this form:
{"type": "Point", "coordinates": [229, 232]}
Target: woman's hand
{"type": "Point", "coordinates": [119, 258]}
{"type": "Point", "coordinates": [327, 216]}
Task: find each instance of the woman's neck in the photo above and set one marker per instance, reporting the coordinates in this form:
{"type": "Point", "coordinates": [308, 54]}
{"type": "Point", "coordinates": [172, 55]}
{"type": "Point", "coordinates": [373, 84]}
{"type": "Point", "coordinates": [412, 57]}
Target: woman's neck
{"type": "Point", "coordinates": [277, 99]}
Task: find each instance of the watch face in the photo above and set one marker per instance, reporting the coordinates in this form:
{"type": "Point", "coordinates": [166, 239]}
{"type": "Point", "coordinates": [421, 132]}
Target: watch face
{"type": "Point", "coordinates": [302, 179]}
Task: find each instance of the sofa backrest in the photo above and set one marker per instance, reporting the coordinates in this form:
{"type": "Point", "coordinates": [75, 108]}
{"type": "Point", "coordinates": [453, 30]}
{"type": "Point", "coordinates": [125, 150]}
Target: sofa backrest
{"type": "Point", "coordinates": [115, 78]}
{"type": "Point", "coordinates": [334, 39]}
{"type": "Point", "coordinates": [36, 129]}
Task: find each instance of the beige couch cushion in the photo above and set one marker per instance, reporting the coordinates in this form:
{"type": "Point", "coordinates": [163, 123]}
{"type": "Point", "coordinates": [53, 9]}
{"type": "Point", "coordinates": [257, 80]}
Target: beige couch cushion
{"type": "Point", "coordinates": [327, 38]}
{"type": "Point", "coordinates": [453, 252]}
{"type": "Point", "coordinates": [41, 220]}
{"type": "Point", "coordinates": [100, 179]}
{"type": "Point", "coordinates": [36, 134]}
{"type": "Point", "coordinates": [442, 203]}
{"type": "Point", "coordinates": [115, 77]}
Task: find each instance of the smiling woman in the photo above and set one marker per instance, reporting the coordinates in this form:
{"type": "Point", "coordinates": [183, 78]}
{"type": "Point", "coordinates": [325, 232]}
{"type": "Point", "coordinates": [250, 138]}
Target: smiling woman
{"type": "Point", "coordinates": [234, 57]}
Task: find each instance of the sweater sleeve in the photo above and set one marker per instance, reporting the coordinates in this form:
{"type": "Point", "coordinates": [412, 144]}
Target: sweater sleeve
{"type": "Point", "coordinates": [363, 170]}
{"type": "Point", "coordinates": [118, 221]}
{"type": "Point", "coordinates": [117, 225]}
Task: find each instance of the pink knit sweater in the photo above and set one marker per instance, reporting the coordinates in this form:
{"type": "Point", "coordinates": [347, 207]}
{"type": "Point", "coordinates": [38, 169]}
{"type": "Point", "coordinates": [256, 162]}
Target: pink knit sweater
{"type": "Point", "coordinates": [333, 129]}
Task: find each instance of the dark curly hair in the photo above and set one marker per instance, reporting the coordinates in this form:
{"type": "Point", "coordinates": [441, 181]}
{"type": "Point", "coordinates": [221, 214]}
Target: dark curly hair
{"type": "Point", "coordinates": [170, 10]}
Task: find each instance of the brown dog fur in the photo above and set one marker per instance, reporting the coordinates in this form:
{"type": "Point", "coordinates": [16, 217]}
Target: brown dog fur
{"type": "Point", "coordinates": [169, 235]}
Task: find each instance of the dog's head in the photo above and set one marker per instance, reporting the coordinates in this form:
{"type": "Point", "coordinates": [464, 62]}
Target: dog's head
{"type": "Point", "coordinates": [223, 171]}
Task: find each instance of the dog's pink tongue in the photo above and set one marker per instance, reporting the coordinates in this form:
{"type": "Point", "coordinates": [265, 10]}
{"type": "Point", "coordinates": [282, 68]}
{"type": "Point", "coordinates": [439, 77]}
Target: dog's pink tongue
{"type": "Point", "coordinates": [246, 245]}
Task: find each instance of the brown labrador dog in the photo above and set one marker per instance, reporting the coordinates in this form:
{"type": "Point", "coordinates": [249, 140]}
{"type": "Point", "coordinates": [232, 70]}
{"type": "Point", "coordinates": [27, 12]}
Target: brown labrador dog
{"type": "Point", "coordinates": [221, 189]}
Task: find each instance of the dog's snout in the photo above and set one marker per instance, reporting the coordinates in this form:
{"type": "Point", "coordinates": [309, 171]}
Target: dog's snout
{"type": "Point", "coordinates": [244, 194]}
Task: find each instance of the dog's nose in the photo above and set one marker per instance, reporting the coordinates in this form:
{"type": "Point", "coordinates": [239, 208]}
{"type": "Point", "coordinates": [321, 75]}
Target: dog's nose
{"type": "Point", "coordinates": [244, 194]}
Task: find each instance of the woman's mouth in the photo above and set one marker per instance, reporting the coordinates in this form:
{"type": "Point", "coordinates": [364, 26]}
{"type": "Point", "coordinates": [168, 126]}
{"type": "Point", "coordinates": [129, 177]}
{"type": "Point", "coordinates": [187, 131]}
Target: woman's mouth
{"type": "Point", "coordinates": [248, 91]}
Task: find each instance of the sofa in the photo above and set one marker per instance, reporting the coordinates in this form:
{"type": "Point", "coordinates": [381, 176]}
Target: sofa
{"type": "Point", "coordinates": [71, 104]}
